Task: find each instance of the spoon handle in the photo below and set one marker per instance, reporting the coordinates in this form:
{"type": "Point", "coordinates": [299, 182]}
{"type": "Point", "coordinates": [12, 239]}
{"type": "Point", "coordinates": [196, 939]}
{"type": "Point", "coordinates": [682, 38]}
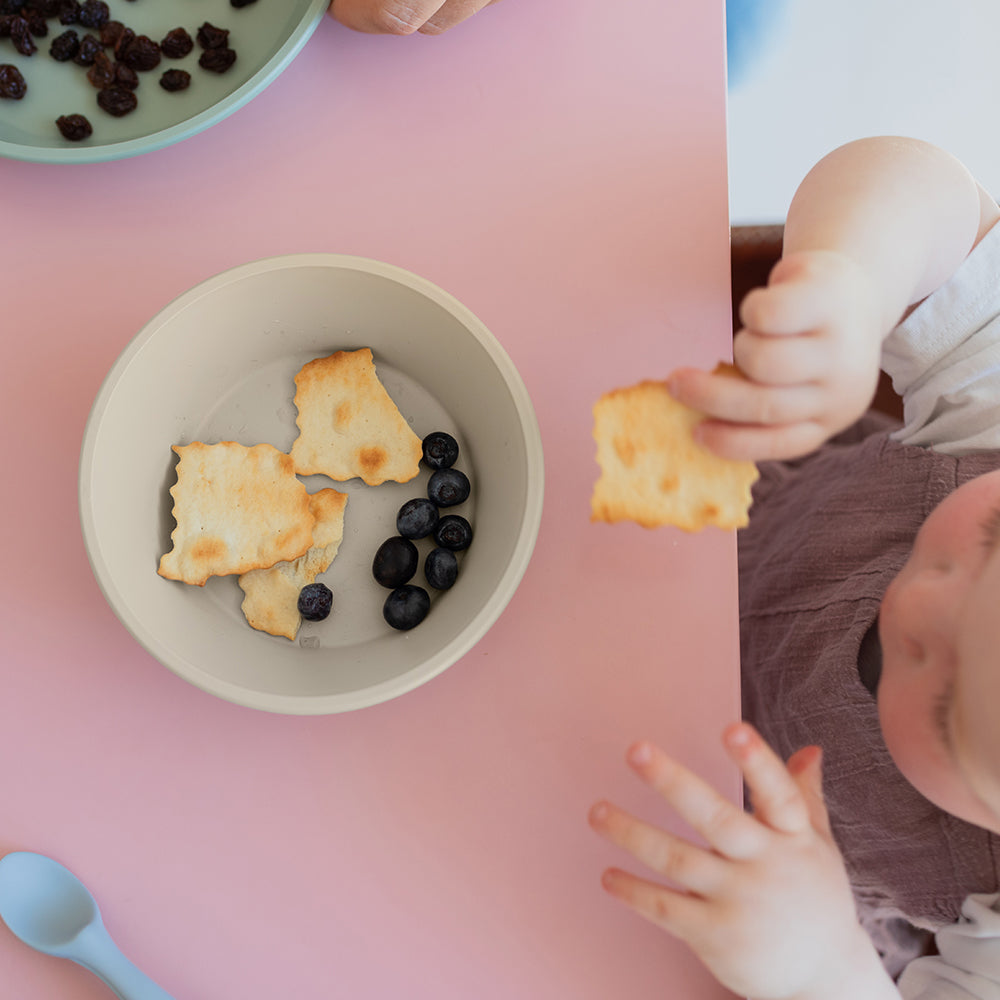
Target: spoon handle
{"type": "Point", "coordinates": [103, 958]}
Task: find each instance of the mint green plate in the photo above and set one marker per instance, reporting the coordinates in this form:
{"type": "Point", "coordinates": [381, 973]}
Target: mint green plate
{"type": "Point", "coordinates": [266, 35]}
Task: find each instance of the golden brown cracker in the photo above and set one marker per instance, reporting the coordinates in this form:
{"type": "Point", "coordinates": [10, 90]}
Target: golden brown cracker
{"type": "Point", "coordinates": [272, 594]}
{"type": "Point", "coordinates": [236, 509]}
{"type": "Point", "coordinates": [348, 424]}
{"type": "Point", "coordinates": [652, 470]}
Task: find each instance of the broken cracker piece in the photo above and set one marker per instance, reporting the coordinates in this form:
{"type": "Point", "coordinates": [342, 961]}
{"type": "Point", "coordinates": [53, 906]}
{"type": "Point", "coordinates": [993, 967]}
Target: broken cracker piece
{"type": "Point", "coordinates": [272, 594]}
{"type": "Point", "coordinates": [348, 424]}
{"type": "Point", "coordinates": [236, 509]}
{"type": "Point", "coordinates": [652, 470]}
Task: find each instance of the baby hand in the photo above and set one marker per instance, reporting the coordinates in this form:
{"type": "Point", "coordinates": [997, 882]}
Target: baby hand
{"type": "Point", "coordinates": [810, 349]}
{"type": "Point", "coordinates": [766, 905]}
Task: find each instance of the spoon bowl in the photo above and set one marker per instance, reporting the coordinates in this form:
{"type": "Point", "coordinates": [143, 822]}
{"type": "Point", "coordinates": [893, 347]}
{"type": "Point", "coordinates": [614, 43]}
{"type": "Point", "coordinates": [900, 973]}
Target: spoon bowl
{"type": "Point", "coordinates": [42, 902]}
{"type": "Point", "coordinates": [48, 908]}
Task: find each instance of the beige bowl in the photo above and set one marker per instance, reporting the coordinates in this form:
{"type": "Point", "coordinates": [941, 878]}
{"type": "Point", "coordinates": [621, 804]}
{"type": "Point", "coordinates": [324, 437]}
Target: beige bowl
{"type": "Point", "coordinates": [218, 364]}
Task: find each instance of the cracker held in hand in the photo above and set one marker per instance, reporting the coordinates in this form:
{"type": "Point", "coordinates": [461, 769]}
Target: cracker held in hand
{"type": "Point", "coordinates": [237, 509]}
{"type": "Point", "coordinates": [348, 425]}
{"type": "Point", "coordinates": [652, 470]}
{"type": "Point", "coordinates": [272, 595]}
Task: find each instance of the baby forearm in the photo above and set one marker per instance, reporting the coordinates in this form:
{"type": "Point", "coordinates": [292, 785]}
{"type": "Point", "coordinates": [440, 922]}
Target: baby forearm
{"type": "Point", "coordinates": [907, 212]}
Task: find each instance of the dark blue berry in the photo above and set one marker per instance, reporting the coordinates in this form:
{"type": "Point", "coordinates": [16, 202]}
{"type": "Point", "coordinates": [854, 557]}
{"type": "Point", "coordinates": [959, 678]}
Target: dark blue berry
{"type": "Point", "coordinates": [406, 607]}
{"type": "Point", "coordinates": [441, 568]}
{"type": "Point", "coordinates": [416, 518]}
{"type": "Point", "coordinates": [440, 450]}
{"type": "Point", "coordinates": [453, 532]}
{"type": "Point", "coordinates": [395, 561]}
{"type": "Point", "coordinates": [315, 601]}
{"type": "Point", "coordinates": [448, 487]}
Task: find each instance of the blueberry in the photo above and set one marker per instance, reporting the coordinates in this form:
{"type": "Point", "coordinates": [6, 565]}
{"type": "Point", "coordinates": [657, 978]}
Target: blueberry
{"type": "Point", "coordinates": [315, 601]}
{"type": "Point", "coordinates": [440, 450]}
{"type": "Point", "coordinates": [395, 561]}
{"type": "Point", "coordinates": [416, 518]}
{"type": "Point", "coordinates": [441, 568]}
{"type": "Point", "coordinates": [448, 487]}
{"type": "Point", "coordinates": [453, 532]}
{"type": "Point", "coordinates": [406, 607]}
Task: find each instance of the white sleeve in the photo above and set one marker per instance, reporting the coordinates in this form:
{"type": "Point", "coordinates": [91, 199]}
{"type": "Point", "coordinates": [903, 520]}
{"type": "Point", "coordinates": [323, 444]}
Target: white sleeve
{"type": "Point", "coordinates": [968, 966]}
{"type": "Point", "coordinates": [944, 359]}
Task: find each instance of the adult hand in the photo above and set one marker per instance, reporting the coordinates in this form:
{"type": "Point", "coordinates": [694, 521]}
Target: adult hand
{"type": "Point", "coordinates": [404, 17]}
{"type": "Point", "coordinates": [766, 905]}
{"type": "Point", "coordinates": [810, 350]}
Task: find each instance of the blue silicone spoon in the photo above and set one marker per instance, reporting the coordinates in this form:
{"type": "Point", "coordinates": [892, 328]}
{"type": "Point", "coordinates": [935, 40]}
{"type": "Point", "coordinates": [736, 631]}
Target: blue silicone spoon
{"type": "Point", "coordinates": [50, 909]}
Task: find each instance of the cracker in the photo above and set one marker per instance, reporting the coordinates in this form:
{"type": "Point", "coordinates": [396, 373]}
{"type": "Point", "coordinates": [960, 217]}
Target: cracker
{"type": "Point", "coordinates": [348, 424]}
{"type": "Point", "coordinates": [236, 509]}
{"type": "Point", "coordinates": [272, 594]}
{"type": "Point", "coordinates": [652, 470]}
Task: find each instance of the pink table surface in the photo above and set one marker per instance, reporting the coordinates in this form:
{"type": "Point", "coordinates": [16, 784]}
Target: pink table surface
{"type": "Point", "coordinates": [561, 169]}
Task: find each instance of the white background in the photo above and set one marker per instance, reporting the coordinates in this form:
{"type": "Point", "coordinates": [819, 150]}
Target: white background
{"type": "Point", "coordinates": [828, 72]}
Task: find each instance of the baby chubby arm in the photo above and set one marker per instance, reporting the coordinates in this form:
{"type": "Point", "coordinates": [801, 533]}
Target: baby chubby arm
{"type": "Point", "coordinates": [874, 227]}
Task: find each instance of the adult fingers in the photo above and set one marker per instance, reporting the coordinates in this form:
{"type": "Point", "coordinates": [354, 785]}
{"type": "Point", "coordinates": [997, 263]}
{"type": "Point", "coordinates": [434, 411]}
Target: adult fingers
{"type": "Point", "coordinates": [722, 823]}
{"type": "Point", "coordinates": [673, 857]}
{"type": "Point", "coordinates": [777, 799]}
{"type": "Point", "coordinates": [452, 12]}
{"type": "Point", "coordinates": [403, 17]}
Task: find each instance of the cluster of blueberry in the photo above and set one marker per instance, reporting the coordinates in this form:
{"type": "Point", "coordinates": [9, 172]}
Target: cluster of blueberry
{"type": "Point", "coordinates": [396, 560]}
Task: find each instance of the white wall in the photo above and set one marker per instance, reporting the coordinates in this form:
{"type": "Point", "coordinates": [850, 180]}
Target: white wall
{"type": "Point", "coordinates": [833, 71]}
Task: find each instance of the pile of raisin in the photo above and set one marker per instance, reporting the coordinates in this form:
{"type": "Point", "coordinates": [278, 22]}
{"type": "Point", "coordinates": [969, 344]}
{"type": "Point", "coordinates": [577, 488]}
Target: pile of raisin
{"type": "Point", "coordinates": [397, 558]}
{"type": "Point", "coordinates": [112, 53]}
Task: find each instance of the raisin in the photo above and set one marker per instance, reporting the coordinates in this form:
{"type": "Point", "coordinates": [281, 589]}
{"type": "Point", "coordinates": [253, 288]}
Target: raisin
{"type": "Point", "coordinates": [90, 45]}
{"type": "Point", "coordinates": [65, 46]}
{"type": "Point", "coordinates": [12, 85]}
{"type": "Point", "coordinates": [102, 73]}
{"type": "Point", "coordinates": [20, 35]}
{"type": "Point", "coordinates": [74, 127]}
{"type": "Point", "coordinates": [10, 7]}
{"type": "Point", "coordinates": [5, 22]}
{"type": "Point", "coordinates": [241, 3]}
{"type": "Point", "coordinates": [217, 60]}
{"type": "Point", "coordinates": [93, 14]}
{"type": "Point", "coordinates": [211, 37]}
{"type": "Point", "coordinates": [117, 101]}
{"type": "Point", "coordinates": [125, 76]}
{"type": "Point", "coordinates": [142, 54]}
{"type": "Point", "coordinates": [46, 8]}
{"type": "Point", "coordinates": [176, 44]}
{"type": "Point", "coordinates": [36, 23]}
{"type": "Point", "coordinates": [69, 12]}
{"type": "Point", "coordinates": [173, 80]}
{"type": "Point", "coordinates": [111, 34]}
{"type": "Point", "coordinates": [124, 41]}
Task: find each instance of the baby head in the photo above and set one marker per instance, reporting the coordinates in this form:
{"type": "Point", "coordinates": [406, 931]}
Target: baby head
{"type": "Point", "coordinates": [939, 625]}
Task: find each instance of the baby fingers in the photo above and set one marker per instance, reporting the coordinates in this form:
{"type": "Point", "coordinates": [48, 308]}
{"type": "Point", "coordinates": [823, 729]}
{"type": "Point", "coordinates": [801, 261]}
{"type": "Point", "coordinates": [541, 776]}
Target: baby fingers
{"type": "Point", "coordinates": [690, 867]}
{"type": "Point", "coordinates": [777, 799]}
{"type": "Point", "coordinates": [674, 911]}
{"type": "Point", "coordinates": [722, 823]}
{"type": "Point", "coordinates": [741, 401]}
